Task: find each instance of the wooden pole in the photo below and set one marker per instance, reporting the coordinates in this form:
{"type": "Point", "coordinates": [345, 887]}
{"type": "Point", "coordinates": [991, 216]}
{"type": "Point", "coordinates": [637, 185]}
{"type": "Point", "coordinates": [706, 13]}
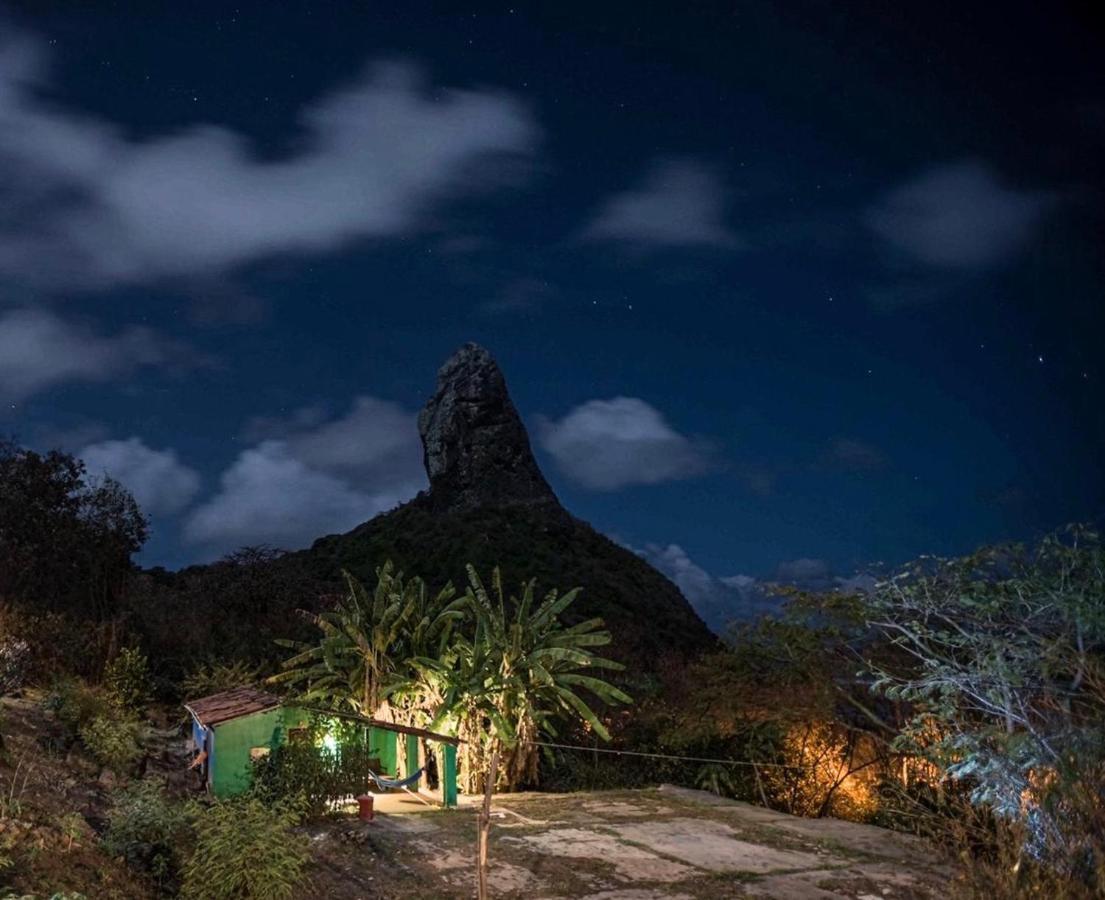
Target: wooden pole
{"type": "Point", "coordinates": [485, 828]}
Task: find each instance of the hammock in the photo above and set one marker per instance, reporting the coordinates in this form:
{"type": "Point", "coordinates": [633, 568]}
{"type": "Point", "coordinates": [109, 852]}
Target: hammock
{"type": "Point", "coordinates": [388, 784]}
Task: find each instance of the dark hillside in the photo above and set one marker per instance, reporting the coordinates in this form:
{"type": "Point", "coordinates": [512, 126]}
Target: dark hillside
{"type": "Point", "coordinates": [645, 612]}
{"type": "Point", "coordinates": [489, 504]}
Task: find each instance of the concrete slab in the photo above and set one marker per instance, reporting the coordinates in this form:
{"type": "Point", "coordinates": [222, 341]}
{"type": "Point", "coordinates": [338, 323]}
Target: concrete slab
{"type": "Point", "coordinates": [631, 863]}
{"type": "Point", "coordinates": [715, 847]}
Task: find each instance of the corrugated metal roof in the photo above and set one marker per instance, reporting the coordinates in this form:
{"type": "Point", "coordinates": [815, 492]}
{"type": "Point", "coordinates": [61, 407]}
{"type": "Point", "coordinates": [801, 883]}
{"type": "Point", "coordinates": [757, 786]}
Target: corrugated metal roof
{"type": "Point", "coordinates": [231, 704]}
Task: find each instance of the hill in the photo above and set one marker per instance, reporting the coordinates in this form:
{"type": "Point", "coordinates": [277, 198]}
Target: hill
{"type": "Point", "coordinates": [489, 504]}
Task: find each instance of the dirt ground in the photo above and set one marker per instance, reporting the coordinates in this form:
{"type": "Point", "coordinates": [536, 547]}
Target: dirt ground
{"type": "Point", "coordinates": [623, 845]}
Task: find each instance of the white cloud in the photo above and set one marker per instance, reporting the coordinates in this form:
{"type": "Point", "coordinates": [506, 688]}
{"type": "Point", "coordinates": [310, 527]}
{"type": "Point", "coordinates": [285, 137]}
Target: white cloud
{"type": "Point", "coordinates": [958, 216]}
{"type": "Point", "coordinates": [315, 478]}
{"type": "Point", "coordinates": [158, 480]}
{"type": "Point", "coordinates": [88, 205]}
{"type": "Point", "coordinates": [721, 601]}
{"type": "Point", "coordinates": [608, 444]}
{"type": "Point", "coordinates": [681, 203]}
{"type": "Point", "coordinates": [39, 349]}
{"type": "Point", "coordinates": [718, 601]}
{"type": "Point", "coordinates": [376, 441]}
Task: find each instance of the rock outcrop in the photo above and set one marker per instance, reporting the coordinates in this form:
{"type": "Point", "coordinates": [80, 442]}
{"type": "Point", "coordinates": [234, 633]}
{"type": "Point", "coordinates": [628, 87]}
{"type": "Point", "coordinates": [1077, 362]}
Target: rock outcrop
{"type": "Point", "coordinates": [475, 447]}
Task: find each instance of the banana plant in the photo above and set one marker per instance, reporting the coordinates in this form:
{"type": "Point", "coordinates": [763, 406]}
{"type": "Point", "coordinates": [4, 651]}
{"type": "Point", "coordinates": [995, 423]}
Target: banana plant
{"type": "Point", "coordinates": [358, 661]}
{"type": "Point", "coordinates": [520, 671]}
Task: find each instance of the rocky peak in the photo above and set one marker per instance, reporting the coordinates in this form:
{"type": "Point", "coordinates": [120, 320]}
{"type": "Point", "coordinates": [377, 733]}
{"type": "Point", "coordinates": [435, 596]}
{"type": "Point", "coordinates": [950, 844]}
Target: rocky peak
{"type": "Point", "coordinates": [475, 447]}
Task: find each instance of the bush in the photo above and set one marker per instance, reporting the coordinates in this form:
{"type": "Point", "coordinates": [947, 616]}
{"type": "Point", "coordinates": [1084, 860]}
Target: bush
{"type": "Point", "coordinates": [244, 850]}
{"type": "Point", "coordinates": [127, 680]}
{"type": "Point", "coordinates": [149, 831]}
{"type": "Point", "coordinates": [75, 705]}
{"type": "Point", "coordinates": [108, 732]}
{"type": "Point", "coordinates": [313, 775]}
{"type": "Point", "coordinates": [113, 741]}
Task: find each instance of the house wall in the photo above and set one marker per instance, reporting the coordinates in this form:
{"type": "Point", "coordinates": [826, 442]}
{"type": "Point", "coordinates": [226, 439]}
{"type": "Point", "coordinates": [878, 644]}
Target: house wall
{"type": "Point", "coordinates": [231, 765]}
{"type": "Point", "coordinates": [385, 745]}
{"type": "Point", "coordinates": [231, 768]}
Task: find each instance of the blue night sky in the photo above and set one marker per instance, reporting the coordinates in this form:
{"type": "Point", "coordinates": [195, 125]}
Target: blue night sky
{"type": "Point", "coordinates": [781, 290]}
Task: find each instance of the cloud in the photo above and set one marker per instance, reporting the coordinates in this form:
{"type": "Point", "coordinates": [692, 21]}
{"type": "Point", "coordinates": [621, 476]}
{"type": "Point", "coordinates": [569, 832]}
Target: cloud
{"type": "Point", "coordinates": [957, 217]}
{"type": "Point", "coordinates": [680, 204]}
{"type": "Point", "coordinates": [87, 205]}
{"type": "Point", "coordinates": [376, 441]}
{"type": "Point", "coordinates": [608, 444]}
{"type": "Point", "coordinates": [317, 477]}
{"type": "Point", "coordinates": [39, 350]}
{"type": "Point", "coordinates": [723, 601]}
{"type": "Point", "coordinates": [719, 602]}
{"type": "Point", "coordinates": [158, 480]}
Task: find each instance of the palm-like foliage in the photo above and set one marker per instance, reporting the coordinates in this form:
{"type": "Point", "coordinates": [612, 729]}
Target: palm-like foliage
{"type": "Point", "coordinates": [518, 672]}
{"type": "Point", "coordinates": [498, 670]}
{"type": "Point", "coordinates": [366, 639]}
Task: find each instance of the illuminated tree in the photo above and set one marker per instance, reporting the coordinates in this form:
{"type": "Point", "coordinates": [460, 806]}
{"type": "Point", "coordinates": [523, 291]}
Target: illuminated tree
{"type": "Point", "coordinates": [1007, 684]}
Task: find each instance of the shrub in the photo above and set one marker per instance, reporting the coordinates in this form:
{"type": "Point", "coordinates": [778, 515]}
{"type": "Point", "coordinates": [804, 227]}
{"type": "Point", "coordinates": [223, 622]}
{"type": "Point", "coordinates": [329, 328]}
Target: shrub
{"type": "Point", "coordinates": [244, 850]}
{"type": "Point", "coordinates": [75, 704]}
{"type": "Point", "coordinates": [149, 831]}
{"type": "Point", "coordinates": [314, 775]}
{"type": "Point", "coordinates": [108, 732]}
{"type": "Point", "coordinates": [113, 741]}
{"type": "Point", "coordinates": [127, 680]}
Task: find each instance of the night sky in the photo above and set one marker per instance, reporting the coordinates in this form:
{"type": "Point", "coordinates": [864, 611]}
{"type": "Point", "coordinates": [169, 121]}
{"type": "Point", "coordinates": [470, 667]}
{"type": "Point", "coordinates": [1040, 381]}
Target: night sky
{"type": "Point", "coordinates": [781, 290]}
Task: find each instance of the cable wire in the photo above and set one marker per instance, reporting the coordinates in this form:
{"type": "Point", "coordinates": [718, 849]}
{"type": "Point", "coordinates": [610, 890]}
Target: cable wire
{"type": "Point", "coordinates": [726, 762]}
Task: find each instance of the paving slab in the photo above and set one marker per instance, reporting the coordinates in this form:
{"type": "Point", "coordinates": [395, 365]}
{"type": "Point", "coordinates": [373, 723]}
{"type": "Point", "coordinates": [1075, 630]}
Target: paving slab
{"type": "Point", "coordinates": [631, 863]}
{"type": "Point", "coordinates": [715, 847]}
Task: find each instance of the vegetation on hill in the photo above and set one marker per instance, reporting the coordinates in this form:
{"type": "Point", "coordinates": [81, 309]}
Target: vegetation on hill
{"type": "Point", "coordinates": [650, 621]}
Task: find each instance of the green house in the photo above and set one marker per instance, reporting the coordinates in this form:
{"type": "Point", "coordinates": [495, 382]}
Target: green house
{"type": "Point", "coordinates": [233, 728]}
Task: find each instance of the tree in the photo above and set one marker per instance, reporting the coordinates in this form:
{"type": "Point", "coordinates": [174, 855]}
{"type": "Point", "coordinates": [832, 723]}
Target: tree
{"type": "Point", "coordinates": [65, 541]}
{"type": "Point", "coordinates": [518, 673]}
{"type": "Point", "coordinates": [227, 613]}
{"type": "Point", "coordinates": [366, 639]}
{"type": "Point", "coordinates": [1007, 685]}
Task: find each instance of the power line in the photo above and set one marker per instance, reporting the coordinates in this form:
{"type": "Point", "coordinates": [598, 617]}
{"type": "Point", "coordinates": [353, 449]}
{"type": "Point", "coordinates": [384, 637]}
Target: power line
{"type": "Point", "coordinates": [702, 759]}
